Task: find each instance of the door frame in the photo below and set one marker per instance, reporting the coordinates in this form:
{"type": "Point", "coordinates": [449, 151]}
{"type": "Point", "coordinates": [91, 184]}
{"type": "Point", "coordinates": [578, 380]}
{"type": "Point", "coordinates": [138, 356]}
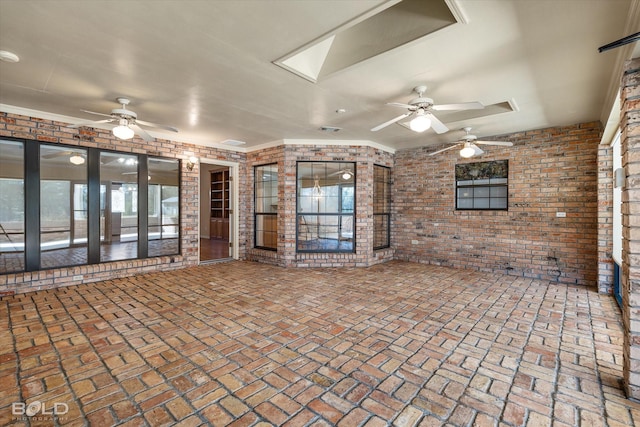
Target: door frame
{"type": "Point", "coordinates": [234, 235]}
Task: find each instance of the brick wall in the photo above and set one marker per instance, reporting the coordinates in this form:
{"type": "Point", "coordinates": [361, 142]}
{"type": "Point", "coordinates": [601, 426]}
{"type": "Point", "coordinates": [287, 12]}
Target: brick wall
{"type": "Point", "coordinates": [605, 219]}
{"type": "Point", "coordinates": [12, 125]}
{"type": "Point", "coordinates": [630, 151]}
{"type": "Point", "coordinates": [550, 170]}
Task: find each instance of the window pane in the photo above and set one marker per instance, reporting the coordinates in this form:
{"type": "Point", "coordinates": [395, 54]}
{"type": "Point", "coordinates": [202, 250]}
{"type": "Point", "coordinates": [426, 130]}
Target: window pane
{"type": "Point", "coordinates": [380, 231]}
{"type": "Point", "coordinates": [465, 203]}
{"type": "Point", "coordinates": [63, 206]}
{"type": "Point", "coordinates": [325, 233]}
{"type": "Point", "coordinates": [119, 215]}
{"type": "Point", "coordinates": [267, 231]}
{"type": "Point", "coordinates": [498, 203]}
{"type": "Point", "coordinates": [11, 206]}
{"type": "Point", "coordinates": [499, 192]}
{"type": "Point", "coordinates": [163, 208]}
{"type": "Point", "coordinates": [481, 192]}
{"type": "Point", "coordinates": [481, 203]}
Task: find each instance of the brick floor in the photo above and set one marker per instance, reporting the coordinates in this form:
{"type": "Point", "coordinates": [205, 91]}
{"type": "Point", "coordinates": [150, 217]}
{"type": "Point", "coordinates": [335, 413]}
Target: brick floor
{"type": "Point", "coordinates": [249, 344]}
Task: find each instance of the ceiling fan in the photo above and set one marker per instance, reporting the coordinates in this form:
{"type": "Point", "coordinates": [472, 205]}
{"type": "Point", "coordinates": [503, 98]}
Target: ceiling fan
{"type": "Point", "coordinates": [127, 122]}
{"type": "Point", "coordinates": [469, 147]}
{"type": "Point", "coordinates": [345, 174]}
{"type": "Point", "coordinates": [421, 107]}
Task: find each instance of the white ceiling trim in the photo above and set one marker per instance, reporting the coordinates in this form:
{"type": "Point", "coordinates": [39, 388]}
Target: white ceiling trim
{"type": "Point", "coordinates": [326, 142]}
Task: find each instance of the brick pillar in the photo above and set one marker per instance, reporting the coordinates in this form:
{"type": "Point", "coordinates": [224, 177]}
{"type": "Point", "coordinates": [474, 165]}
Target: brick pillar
{"type": "Point", "coordinates": [605, 219]}
{"type": "Point", "coordinates": [630, 149]}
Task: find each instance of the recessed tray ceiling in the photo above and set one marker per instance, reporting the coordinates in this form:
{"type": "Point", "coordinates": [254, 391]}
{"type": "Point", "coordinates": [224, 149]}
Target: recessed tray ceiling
{"type": "Point", "coordinates": [362, 39]}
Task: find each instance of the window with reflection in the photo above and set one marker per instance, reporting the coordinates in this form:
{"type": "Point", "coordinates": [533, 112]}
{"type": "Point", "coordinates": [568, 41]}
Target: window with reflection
{"type": "Point", "coordinates": [163, 206]}
{"type": "Point", "coordinates": [68, 205]}
{"type": "Point", "coordinates": [266, 206]}
{"type": "Point", "coordinates": [119, 215]}
{"type": "Point", "coordinates": [326, 207]}
{"type": "Point", "coordinates": [63, 206]}
{"type": "Point", "coordinates": [381, 206]}
{"type": "Point", "coordinates": [11, 206]}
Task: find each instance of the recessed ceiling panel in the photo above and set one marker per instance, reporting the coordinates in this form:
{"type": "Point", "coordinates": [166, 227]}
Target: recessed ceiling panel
{"type": "Point", "coordinates": [360, 40]}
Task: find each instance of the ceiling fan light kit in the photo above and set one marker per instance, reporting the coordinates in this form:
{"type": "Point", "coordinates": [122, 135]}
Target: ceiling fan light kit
{"type": "Point", "coordinates": [420, 122]}
{"type": "Point", "coordinates": [123, 131]}
{"type": "Point", "coordinates": [467, 151]}
{"type": "Point", "coordinates": [421, 108]}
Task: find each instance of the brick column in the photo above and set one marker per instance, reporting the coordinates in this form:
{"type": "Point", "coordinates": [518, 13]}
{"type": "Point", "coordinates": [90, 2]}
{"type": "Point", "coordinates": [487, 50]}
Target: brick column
{"type": "Point", "coordinates": [630, 149]}
{"type": "Point", "coordinates": [605, 219]}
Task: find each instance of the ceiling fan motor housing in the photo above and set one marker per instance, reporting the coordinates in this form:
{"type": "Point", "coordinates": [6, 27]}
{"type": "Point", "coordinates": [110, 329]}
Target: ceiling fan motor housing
{"type": "Point", "coordinates": [124, 113]}
{"type": "Point", "coordinates": [421, 102]}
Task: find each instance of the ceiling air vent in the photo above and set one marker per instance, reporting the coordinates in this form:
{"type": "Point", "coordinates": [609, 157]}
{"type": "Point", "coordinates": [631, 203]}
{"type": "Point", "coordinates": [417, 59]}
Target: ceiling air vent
{"type": "Point", "coordinates": [330, 129]}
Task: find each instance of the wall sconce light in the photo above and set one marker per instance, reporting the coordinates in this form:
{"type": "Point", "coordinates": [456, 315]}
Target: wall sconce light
{"type": "Point", "coordinates": [191, 162]}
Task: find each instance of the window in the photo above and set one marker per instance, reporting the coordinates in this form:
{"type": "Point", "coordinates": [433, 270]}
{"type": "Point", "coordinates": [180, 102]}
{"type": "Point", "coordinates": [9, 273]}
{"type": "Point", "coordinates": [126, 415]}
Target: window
{"type": "Point", "coordinates": [67, 205]}
{"type": "Point", "coordinates": [266, 206]}
{"type": "Point", "coordinates": [325, 207]}
{"type": "Point", "coordinates": [381, 206]}
{"type": "Point", "coordinates": [482, 186]}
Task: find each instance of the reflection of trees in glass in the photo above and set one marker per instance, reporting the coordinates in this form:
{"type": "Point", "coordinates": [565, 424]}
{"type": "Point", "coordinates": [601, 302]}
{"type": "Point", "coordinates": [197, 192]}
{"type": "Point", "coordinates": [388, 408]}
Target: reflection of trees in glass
{"type": "Point", "coordinates": [170, 201]}
{"type": "Point", "coordinates": [11, 200]}
{"type": "Point", "coordinates": [482, 170]}
{"type": "Point", "coordinates": [55, 200]}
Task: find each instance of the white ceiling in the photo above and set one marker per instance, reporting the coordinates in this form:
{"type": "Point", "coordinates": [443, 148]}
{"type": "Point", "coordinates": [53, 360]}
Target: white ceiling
{"type": "Point", "coordinates": [206, 67]}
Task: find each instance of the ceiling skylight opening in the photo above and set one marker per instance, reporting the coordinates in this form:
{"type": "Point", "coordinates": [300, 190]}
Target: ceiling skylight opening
{"type": "Point", "coordinates": [382, 29]}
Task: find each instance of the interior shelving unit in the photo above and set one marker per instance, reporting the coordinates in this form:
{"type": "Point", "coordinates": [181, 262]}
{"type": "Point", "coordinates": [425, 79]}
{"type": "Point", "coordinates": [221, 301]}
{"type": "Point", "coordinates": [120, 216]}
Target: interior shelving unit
{"type": "Point", "coordinates": [220, 208]}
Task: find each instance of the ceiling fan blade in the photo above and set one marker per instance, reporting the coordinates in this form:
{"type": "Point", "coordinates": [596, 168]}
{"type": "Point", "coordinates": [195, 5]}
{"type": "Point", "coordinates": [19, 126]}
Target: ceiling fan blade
{"type": "Point", "coordinates": [477, 149]}
{"type": "Point", "coordinates": [459, 106]}
{"type": "Point", "coordinates": [97, 114]}
{"type": "Point", "coordinates": [143, 133]}
{"type": "Point", "coordinates": [79, 125]}
{"type": "Point", "coordinates": [502, 143]}
{"type": "Point", "coordinates": [401, 105]}
{"type": "Point", "coordinates": [58, 154]}
{"type": "Point", "coordinates": [153, 125]}
{"type": "Point", "coordinates": [444, 149]}
{"type": "Point", "coordinates": [437, 125]}
{"type": "Point", "coordinates": [385, 124]}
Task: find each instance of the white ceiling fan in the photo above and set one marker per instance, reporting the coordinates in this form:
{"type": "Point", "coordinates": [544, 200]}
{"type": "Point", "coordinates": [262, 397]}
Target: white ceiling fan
{"type": "Point", "coordinates": [345, 174]}
{"type": "Point", "coordinates": [469, 147]}
{"type": "Point", "coordinates": [127, 122]}
{"type": "Point", "coordinates": [421, 107]}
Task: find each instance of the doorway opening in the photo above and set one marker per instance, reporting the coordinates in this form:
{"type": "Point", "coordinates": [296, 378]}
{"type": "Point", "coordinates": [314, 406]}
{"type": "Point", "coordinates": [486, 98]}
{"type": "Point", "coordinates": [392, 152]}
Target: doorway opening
{"type": "Point", "coordinates": [216, 212]}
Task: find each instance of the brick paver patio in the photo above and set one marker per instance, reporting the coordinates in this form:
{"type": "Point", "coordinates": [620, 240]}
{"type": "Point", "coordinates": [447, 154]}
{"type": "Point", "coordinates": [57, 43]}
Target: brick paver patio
{"type": "Point", "coordinates": [244, 344]}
